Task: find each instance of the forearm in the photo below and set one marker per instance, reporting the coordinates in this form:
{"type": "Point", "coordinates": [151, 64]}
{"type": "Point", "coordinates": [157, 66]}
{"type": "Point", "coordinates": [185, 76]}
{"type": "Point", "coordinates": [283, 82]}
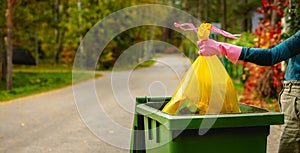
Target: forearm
{"type": "Point", "coordinates": [268, 57]}
{"type": "Point", "coordinates": [265, 56]}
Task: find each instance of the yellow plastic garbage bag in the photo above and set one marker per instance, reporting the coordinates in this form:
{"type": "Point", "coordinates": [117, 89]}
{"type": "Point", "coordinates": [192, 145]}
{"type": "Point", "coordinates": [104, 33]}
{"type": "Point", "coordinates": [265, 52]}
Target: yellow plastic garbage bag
{"type": "Point", "coordinates": [206, 87]}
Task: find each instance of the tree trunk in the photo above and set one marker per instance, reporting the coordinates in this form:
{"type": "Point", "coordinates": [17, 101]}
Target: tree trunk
{"type": "Point", "coordinates": [58, 44]}
{"type": "Point", "coordinates": [273, 16]}
{"type": "Point", "coordinates": [207, 10]}
{"type": "Point", "coordinates": [200, 10]}
{"type": "Point", "coordinates": [224, 17]}
{"type": "Point", "coordinates": [245, 20]}
{"type": "Point", "coordinates": [9, 54]}
{"type": "Point", "coordinates": [2, 56]}
{"type": "Point", "coordinates": [2, 43]}
{"type": "Point", "coordinates": [56, 30]}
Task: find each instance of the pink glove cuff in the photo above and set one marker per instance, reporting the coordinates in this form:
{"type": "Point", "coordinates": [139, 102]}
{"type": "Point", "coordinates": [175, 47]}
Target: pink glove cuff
{"type": "Point", "coordinates": [231, 52]}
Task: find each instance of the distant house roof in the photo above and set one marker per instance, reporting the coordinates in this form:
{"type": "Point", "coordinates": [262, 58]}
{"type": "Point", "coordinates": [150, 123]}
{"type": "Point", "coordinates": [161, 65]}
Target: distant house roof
{"type": "Point", "coordinates": [22, 56]}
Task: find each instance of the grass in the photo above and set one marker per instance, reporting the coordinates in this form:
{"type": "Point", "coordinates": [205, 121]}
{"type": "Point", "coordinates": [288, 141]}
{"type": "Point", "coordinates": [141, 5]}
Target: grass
{"type": "Point", "coordinates": [33, 80]}
{"type": "Point", "coordinates": [135, 66]}
{"type": "Point", "coordinates": [146, 64]}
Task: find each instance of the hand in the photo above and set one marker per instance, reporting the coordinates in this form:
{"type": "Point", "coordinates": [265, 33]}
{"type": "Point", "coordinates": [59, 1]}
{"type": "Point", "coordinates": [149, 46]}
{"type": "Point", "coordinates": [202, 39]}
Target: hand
{"type": "Point", "coordinates": [211, 47]}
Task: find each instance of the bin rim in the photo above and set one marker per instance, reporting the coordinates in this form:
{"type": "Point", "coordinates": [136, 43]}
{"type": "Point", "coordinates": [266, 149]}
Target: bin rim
{"type": "Point", "coordinates": [180, 122]}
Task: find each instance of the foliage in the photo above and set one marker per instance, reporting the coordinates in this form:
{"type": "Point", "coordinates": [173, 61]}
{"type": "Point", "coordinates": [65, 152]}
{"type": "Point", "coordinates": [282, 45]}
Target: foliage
{"type": "Point", "coordinates": [189, 49]}
{"type": "Point", "coordinates": [292, 18]}
{"type": "Point", "coordinates": [28, 21]}
{"type": "Point", "coordinates": [58, 26]}
{"type": "Point", "coordinates": [125, 40]}
{"type": "Point", "coordinates": [247, 40]}
{"type": "Point", "coordinates": [263, 83]}
{"type": "Point", "coordinates": [236, 71]}
{"type": "Point", "coordinates": [236, 12]}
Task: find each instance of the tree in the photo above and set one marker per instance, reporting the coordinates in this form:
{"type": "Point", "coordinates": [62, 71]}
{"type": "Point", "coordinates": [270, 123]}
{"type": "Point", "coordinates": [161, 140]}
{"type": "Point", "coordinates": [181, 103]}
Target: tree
{"type": "Point", "coordinates": [3, 7]}
{"type": "Point", "coordinates": [224, 16]}
{"type": "Point", "coordinates": [30, 24]}
{"type": "Point", "coordinates": [9, 55]}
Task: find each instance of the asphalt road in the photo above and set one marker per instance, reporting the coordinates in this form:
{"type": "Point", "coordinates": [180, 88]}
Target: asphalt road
{"type": "Point", "coordinates": [94, 116]}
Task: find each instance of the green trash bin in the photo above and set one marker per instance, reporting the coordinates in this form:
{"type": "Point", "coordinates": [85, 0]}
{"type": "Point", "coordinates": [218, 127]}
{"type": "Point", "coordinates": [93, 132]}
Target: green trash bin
{"type": "Point", "coordinates": [159, 132]}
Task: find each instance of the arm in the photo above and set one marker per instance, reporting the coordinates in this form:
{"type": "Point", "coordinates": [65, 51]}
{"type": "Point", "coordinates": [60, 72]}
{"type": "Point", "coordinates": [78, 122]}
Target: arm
{"type": "Point", "coordinates": [261, 56]}
{"type": "Point", "coordinates": [267, 57]}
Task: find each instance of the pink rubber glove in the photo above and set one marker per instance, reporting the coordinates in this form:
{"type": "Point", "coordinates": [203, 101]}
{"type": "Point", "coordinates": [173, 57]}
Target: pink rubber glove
{"type": "Point", "coordinates": [211, 47]}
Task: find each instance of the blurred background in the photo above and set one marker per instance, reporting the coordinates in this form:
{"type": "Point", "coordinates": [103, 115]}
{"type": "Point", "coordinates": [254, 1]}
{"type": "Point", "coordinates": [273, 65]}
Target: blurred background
{"type": "Point", "coordinates": [39, 40]}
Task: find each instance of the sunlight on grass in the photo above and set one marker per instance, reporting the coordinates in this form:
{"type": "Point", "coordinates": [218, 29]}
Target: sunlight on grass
{"type": "Point", "coordinates": [26, 83]}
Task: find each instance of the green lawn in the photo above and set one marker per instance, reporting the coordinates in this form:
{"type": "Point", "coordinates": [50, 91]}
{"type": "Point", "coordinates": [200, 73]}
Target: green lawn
{"type": "Point", "coordinates": [33, 80]}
